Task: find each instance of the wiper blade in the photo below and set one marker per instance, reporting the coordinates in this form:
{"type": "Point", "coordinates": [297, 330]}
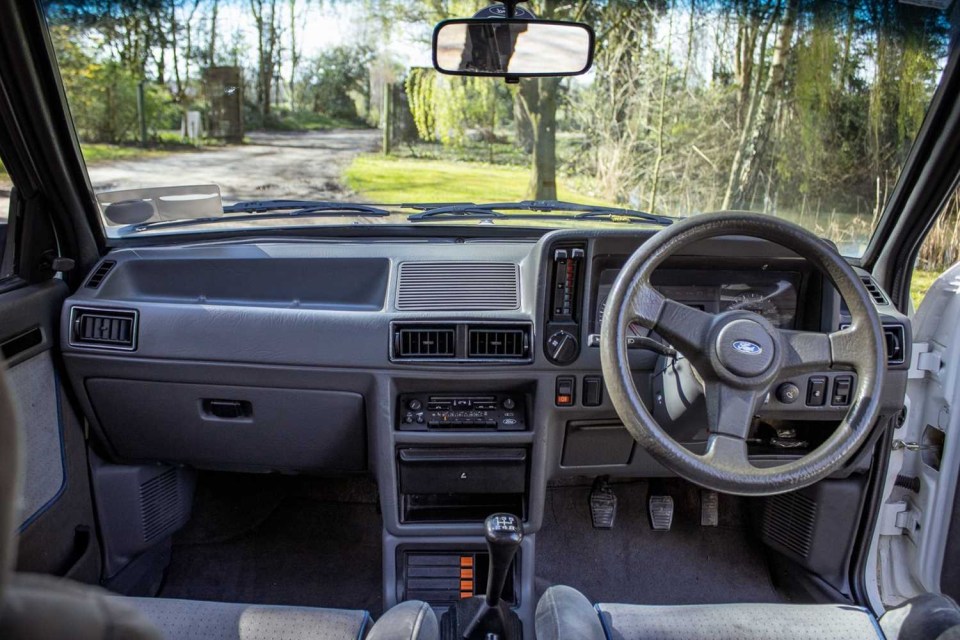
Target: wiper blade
{"type": "Point", "coordinates": [579, 211]}
{"type": "Point", "coordinates": [306, 212]}
{"type": "Point", "coordinates": [457, 211]}
{"type": "Point", "coordinates": [301, 206]}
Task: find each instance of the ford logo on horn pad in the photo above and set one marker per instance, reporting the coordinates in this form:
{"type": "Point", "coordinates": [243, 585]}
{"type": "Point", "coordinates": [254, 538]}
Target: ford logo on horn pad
{"type": "Point", "coordinates": [745, 346]}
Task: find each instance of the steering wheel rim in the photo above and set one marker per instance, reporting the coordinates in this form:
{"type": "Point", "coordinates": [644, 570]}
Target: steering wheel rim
{"type": "Point", "coordinates": [737, 379]}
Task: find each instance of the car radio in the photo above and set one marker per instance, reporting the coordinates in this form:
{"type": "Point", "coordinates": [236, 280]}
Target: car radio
{"type": "Point", "coordinates": [494, 411]}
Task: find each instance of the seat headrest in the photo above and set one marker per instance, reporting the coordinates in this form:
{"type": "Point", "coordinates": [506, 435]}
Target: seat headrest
{"type": "Point", "coordinates": [9, 480]}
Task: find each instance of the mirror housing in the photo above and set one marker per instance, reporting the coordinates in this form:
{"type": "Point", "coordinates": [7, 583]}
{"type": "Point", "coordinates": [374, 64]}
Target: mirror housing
{"type": "Point", "coordinates": [512, 48]}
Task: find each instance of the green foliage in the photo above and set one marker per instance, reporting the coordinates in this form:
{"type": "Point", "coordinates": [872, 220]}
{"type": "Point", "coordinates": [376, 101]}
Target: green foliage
{"type": "Point", "coordinates": [337, 80]}
{"type": "Point", "coordinates": [447, 108]}
{"type": "Point", "coordinates": [103, 95]}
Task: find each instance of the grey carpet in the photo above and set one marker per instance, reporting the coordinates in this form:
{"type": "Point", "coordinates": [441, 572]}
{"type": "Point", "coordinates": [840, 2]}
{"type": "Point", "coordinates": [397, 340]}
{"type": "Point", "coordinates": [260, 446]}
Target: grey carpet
{"type": "Point", "coordinates": [280, 540]}
{"type": "Point", "coordinates": [631, 563]}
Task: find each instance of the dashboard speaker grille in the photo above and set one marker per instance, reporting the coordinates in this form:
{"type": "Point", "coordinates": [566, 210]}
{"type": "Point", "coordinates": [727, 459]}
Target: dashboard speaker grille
{"type": "Point", "coordinates": [788, 521]}
{"type": "Point", "coordinates": [458, 286]}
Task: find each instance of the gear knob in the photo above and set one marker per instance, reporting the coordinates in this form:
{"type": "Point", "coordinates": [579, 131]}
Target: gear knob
{"type": "Point", "coordinates": [504, 533]}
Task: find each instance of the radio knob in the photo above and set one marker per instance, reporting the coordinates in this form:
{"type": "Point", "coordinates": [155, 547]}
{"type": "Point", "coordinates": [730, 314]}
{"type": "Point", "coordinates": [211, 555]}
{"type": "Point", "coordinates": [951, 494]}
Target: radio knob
{"type": "Point", "coordinates": [414, 405]}
{"type": "Point", "coordinates": [509, 404]}
{"type": "Point", "coordinates": [562, 347]}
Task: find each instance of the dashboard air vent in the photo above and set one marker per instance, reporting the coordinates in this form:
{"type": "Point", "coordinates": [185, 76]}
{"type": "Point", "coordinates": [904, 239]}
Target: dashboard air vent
{"type": "Point", "coordinates": [100, 274]}
{"type": "Point", "coordinates": [104, 328]}
{"type": "Point", "coordinates": [458, 286]}
{"type": "Point", "coordinates": [426, 342]}
{"type": "Point", "coordinates": [874, 290]}
{"type": "Point", "coordinates": [498, 342]}
{"type": "Point", "coordinates": [894, 335]}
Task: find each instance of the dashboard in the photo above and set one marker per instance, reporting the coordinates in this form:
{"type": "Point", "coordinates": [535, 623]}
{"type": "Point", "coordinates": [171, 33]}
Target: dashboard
{"type": "Point", "coordinates": [305, 356]}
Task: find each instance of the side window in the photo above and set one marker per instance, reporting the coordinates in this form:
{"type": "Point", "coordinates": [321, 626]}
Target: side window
{"type": "Point", "coordinates": [940, 250]}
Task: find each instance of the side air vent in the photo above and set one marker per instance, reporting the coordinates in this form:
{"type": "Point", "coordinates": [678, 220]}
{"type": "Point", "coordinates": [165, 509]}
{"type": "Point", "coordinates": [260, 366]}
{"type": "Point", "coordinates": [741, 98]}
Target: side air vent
{"type": "Point", "coordinates": [788, 521]}
{"type": "Point", "coordinates": [458, 286]}
{"type": "Point", "coordinates": [426, 343]}
{"type": "Point", "coordinates": [100, 274]}
{"type": "Point", "coordinates": [894, 335]}
{"type": "Point", "coordinates": [874, 290]}
{"type": "Point", "coordinates": [162, 508]}
{"type": "Point", "coordinates": [103, 328]}
{"type": "Point", "coordinates": [495, 342]}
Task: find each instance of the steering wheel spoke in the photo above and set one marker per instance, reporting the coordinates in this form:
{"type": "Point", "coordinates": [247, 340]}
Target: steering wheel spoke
{"type": "Point", "coordinates": [809, 351]}
{"type": "Point", "coordinates": [683, 327]}
{"type": "Point", "coordinates": [728, 453]}
{"type": "Point", "coordinates": [805, 351]}
{"type": "Point", "coordinates": [730, 411]}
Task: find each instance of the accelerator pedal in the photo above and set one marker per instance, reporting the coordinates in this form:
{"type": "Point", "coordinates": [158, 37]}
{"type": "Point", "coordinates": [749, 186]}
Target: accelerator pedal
{"type": "Point", "coordinates": [603, 504]}
{"type": "Point", "coordinates": [709, 508]}
{"type": "Point", "coordinates": [661, 512]}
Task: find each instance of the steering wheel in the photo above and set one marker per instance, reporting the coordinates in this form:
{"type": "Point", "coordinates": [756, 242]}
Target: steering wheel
{"type": "Point", "coordinates": [738, 356]}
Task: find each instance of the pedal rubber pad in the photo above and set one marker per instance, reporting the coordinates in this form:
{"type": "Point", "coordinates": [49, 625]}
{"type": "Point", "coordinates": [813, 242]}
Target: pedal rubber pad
{"type": "Point", "coordinates": [661, 512]}
{"type": "Point", "coordinates": [603, 506]}
{"type": "Point", "coordinates": [709, 508]}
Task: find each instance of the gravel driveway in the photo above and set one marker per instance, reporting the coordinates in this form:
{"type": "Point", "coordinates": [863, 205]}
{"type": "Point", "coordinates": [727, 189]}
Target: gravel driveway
{"type": "Point", "coordinates": [271, 165]}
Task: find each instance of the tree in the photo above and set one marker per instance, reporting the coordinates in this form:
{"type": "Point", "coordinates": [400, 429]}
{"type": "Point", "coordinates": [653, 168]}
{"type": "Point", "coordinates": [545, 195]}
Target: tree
{"type": "Point", "coordinates": [755, 138]}
{"type": "Point", "coordinates": [266, 22]}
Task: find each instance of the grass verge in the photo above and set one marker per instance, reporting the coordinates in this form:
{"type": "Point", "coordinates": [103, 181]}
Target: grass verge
{"type": "Point", "coordinates": [920, 283]}
{"type": "Point", "coordinates": [387, 179]}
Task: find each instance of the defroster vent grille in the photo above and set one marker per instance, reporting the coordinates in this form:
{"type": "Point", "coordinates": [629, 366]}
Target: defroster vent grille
{"type": "Point", "coordinates": [458, 286]}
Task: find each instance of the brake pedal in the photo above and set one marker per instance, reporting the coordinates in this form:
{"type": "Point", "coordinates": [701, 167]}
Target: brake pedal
{"type": "Point", "coordinates": [709, 508]}
{"type": "Point", "coordinates": [661, 512]}
{"type": "Point", "coordinates": [603, 504]}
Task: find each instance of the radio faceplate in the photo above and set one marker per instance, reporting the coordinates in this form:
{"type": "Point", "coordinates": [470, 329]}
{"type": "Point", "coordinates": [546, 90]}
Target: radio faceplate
{"type": "Point", "coordinates": [461, 411]}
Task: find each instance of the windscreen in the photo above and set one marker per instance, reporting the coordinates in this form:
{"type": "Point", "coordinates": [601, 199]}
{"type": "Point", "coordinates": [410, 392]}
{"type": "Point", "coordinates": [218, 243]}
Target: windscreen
{"type": "Point", "coordinates": [801, 109]}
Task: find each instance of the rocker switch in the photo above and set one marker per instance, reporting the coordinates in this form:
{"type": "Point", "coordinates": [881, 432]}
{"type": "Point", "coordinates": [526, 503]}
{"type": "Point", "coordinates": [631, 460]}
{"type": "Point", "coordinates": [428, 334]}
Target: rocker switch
{"type": "Point", "coordinates": [565, 391]}
{"type": "Point", "coordinates": [817, 391]}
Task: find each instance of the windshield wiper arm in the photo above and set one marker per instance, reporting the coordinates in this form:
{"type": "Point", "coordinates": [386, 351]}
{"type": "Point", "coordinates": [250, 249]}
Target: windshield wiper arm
{"type": "Point", "coordinates": [306, 212]}
{"type": "Point", "coordinates": [581, 211]}
{"type": "Point", "coordinates": [300, 207]}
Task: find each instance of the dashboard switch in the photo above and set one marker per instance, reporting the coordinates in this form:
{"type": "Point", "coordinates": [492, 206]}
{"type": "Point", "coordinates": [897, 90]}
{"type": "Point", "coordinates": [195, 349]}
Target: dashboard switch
{"type": "Point", "coordinates": [562, 347]}
{"type": "Point", "coordinates": [787, 393]}
{"type": "Point", "coordinates": [592, 391]}
{"type": "Point", "coordinates": [816, 391]}
{"type": "Point", "coordinates": [565, 391]}
{"type": "Point", "coordinates": [842, 386]}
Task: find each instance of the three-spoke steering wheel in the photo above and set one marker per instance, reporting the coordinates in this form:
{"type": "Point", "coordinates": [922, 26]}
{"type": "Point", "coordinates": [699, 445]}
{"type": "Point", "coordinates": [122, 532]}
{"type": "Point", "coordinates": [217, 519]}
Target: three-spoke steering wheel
{"type": "Point", "coordinates": [739, 355]}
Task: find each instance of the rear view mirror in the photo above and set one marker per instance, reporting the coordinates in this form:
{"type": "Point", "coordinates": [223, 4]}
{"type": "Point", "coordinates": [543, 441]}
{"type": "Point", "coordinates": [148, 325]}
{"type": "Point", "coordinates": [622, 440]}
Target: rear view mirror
{"type": "Point", "coordinates": [512, 48]}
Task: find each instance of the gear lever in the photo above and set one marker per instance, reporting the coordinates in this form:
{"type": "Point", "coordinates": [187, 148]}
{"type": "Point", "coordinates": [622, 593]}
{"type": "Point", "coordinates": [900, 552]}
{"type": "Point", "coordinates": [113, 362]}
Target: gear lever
{"type": "Point", "coordinates": [504, 533]}
{"type": "Point", "coordinates": [489, 617]}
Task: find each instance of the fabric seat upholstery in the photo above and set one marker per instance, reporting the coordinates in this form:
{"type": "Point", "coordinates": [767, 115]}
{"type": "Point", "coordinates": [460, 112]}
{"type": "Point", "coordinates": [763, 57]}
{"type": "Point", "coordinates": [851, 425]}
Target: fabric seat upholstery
{"type": "Point", "coordinates": [188, 619]}
{"type": "Point", "coordinates": [737, 622]}
{"type": "Point", "coordinates": [564, 613]}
